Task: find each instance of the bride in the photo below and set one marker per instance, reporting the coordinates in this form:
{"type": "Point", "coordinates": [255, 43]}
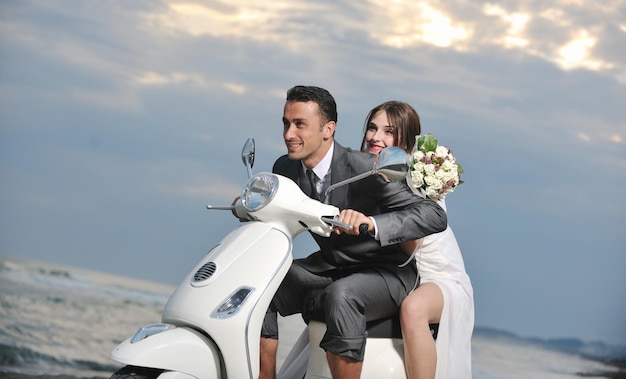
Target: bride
{"type": "Point", "coordinates": [445, 294]}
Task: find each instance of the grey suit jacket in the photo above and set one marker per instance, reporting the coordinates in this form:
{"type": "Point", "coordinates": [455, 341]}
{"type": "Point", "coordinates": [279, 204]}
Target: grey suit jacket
{"type": "Point", "coordinates": [400, 216]}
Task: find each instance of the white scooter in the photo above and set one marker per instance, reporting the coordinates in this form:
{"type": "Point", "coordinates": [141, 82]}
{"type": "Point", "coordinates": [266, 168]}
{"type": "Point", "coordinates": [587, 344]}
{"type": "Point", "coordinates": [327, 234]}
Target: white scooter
{"type": "Point", "coordinates": [211, 324]}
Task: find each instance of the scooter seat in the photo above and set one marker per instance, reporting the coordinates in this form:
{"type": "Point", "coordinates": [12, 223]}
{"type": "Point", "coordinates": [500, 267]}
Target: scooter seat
{"type": "Point", "coordinates": [382, 328]}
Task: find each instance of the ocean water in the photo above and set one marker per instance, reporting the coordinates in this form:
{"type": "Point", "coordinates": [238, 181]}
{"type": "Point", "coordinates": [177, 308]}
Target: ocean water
{"type": "Point", "coordinates": [58, 320]}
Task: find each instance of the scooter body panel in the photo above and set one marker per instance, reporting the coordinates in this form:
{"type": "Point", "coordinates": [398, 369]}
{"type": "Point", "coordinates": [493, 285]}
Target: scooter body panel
{"type": "Point", "coordinates": [383, 357]}
{"type": "Point", "coordinates": [180, 350]}
{"type": "Point", "coordinates": [254, 257]}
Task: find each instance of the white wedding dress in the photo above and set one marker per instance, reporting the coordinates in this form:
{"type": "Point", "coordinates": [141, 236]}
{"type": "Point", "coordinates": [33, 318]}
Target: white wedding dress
{"type": "Point", "coordinates": [440, 261]}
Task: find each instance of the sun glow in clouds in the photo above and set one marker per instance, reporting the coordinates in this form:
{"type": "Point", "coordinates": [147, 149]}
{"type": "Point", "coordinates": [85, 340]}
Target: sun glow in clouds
{"type": "Point", "coordinates": [244, 20]}
{"type": "Point", "coordinates": [517, 24]}
{"type": "Point", "coordinates": [577, 53]}
{"type": "Point", "coordinates": [412, 23]}
{"type": "Point", "coordinates": [578, 49]}
{"type": "Point", "coordinates": [556, 34]}
{"type": "Point", "coordinates": [573, 54]}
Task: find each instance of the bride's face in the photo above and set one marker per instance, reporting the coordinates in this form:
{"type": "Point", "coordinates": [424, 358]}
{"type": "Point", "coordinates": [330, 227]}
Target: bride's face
{"type": "Point", "coordinates": [379, 133]}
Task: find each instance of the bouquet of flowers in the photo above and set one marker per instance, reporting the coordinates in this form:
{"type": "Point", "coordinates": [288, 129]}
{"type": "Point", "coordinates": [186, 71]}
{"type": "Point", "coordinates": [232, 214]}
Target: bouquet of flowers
{"type": "Point", "coordinates": [434, 171]}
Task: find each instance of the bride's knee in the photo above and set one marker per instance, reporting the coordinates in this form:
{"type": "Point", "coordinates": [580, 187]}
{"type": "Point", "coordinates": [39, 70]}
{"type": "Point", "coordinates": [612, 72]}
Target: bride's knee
{"type": "Point", "coordinates": [413, 309]}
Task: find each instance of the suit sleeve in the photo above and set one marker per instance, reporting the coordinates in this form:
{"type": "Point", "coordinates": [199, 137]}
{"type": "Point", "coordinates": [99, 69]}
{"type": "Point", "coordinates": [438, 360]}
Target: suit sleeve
{"type": "Point", "coordinates": [405, 215]}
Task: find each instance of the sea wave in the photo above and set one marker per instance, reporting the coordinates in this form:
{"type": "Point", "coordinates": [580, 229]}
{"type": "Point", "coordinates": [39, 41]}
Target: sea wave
{"type": "Point", "coordinates": [39, 276]}
{"type": "Point", "coordinates": [28, 361]}
{"type": "Point", "coordinates": [58, 320]}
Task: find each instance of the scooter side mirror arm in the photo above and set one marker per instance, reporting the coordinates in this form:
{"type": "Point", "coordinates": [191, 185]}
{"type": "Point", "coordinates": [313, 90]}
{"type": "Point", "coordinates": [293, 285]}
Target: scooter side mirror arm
{"type": "Point", "coordinates": [391, 163]}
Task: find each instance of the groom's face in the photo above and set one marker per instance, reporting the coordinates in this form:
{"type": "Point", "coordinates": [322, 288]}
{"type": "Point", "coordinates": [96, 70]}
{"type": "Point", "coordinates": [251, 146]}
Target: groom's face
{"type": "Point", "coordinates": [306, 135]}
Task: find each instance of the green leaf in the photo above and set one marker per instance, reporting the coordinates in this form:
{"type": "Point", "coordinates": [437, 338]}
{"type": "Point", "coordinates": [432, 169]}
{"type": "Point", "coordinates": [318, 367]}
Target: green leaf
{"type": "Point", "coordinates": [419, 141]}
{"type": "Point", "coordinates": [430, 143]}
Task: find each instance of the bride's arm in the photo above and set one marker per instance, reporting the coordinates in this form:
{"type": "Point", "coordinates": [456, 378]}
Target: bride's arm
{"type": "Point", "coordinates": [409, 247]}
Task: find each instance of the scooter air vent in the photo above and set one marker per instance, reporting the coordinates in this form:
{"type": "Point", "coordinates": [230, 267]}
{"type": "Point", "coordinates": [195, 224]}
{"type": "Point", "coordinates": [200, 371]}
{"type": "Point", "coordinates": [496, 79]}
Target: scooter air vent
{"type": "Point", "coordinates": [205, 272]}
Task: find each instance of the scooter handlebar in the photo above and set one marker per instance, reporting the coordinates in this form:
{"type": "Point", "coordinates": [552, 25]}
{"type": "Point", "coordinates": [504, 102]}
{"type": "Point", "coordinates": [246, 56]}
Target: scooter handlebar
{"type": "Point", "coordinates": [334, 222]}
{"type": "Point", "coordinates": [363, 228]}
{"type": "Point", "coordinates": [237, 209]}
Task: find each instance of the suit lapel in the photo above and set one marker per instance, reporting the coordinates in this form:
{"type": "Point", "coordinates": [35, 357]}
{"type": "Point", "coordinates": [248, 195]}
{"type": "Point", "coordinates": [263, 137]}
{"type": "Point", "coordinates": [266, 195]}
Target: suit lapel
{"type": "Point", "coordinates": [341, 170]}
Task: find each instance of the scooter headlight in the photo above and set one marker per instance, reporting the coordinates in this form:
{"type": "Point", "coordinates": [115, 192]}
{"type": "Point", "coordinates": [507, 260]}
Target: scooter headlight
{"type": "Point", "coordinates": [150, 330]}
{"type": "Point", "coordinates": [259, 191]}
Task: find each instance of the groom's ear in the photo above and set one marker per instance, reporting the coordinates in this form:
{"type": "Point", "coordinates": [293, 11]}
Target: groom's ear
{"type": "Point", "coordinates": [329, 129]}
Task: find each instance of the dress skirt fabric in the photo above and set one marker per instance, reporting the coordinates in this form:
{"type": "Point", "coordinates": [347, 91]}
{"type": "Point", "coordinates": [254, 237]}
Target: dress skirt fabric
{"type": "Point", "coordinates": [439, 261]}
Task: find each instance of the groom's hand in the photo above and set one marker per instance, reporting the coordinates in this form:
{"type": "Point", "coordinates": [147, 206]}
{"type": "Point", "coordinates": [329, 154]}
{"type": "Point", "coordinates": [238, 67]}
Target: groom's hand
{"type": "Point", "coordinates": [356, 219]}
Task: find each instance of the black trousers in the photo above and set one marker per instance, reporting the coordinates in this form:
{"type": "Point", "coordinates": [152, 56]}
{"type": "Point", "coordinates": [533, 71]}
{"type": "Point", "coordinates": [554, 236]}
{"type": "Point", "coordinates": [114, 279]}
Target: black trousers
{"type": "Point", "coordinates": [349, 302]}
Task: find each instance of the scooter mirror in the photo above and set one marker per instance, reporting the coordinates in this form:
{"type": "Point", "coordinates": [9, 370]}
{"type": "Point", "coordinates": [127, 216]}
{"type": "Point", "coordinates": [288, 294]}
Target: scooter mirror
{"type": "Point", "coordinates": [247, 155]}
{"type": "Point", "coordinates": [392, 164]}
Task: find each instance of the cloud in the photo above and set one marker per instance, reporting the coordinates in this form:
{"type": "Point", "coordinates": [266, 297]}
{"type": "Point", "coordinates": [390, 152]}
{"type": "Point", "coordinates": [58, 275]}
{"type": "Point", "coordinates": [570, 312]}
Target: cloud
{"type": "Point", "coordinates": [178, 78]}
{"type": "Point", "coordinates": [246, 20]}
{"type": "Point", "coordinates": [235, 88]}
{"type": "Point", "coordinates": [557, 35]}
{"type": "Point", "coordinates": [516, 24]}
{"type": "Point", "coordinates": [584, 137]}
{"type": "Point", "coordinates": [560, 35]}
{"type": "Point", "coordinates": [405, 24]}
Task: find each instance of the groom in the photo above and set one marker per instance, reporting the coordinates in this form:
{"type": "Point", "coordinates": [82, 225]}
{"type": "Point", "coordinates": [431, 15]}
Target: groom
{"type": "Point", "coordinates": [361, 276]}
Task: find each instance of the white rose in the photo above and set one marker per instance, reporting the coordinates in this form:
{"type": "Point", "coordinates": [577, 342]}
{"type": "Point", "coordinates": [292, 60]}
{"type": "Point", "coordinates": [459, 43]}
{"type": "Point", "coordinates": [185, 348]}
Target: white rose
{"type": "Point", "coordinates": [432, 193]}
{"type": "Point", "coordinates": [442, 151]}
{"type": "Point", "coordinates": [437, 184]}
{"type": "Point", "coordinates": [418, 155]}
{"type": "Point", "coordinates": [449, 175]}
{"type": "Point", "coordinates": [429, 169]}
{"type": "Point", "coordinates": [448, 165]}
{"type": "Point", "coordinates": [418, 166]}
{"type": "Point", "coordinates": [429, 180]}
{"type": "Point", "coordinates": [417, 178]}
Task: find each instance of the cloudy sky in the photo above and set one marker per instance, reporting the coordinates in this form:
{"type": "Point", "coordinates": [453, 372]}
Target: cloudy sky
{"type": "Point", "coordinates": [121, 120]}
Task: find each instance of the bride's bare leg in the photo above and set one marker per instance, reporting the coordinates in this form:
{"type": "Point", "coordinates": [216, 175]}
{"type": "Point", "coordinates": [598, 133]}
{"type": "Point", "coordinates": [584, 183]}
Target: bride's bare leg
{"type": "Point", "coordinates": [422, 307]}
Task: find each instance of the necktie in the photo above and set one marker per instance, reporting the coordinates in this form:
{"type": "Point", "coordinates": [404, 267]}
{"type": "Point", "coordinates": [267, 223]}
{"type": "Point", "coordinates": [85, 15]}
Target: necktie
{"type": "Point", "coordinates": [313, 180]}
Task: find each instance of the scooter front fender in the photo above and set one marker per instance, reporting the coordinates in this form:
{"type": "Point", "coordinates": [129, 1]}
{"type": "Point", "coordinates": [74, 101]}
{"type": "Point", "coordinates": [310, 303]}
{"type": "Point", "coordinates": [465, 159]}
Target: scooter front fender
{"type": "Point", "coordinates": [180, 349]}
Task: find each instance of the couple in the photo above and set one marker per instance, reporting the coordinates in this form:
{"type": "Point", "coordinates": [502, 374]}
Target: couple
{"type": "Point", "coordinates": [362, 276]}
